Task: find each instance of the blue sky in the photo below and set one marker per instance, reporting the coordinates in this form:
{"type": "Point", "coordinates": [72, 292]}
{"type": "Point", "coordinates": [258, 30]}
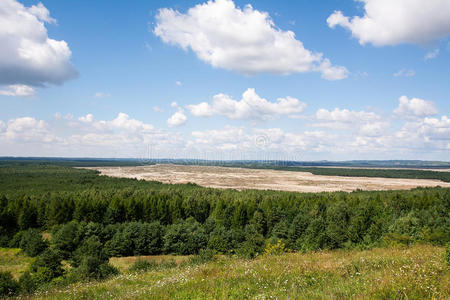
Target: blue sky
{"type": "Point", "coordinates": [127, 84]}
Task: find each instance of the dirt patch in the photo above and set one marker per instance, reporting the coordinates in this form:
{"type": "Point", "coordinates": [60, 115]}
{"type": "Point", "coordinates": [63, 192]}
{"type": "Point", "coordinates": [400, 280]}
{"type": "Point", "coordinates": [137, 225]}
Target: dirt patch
{"type": "Point", "coordinates": [240, 178]}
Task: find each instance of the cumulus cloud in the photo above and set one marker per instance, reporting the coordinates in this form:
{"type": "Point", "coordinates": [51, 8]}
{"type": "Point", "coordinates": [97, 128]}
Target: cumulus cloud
{"type": "Point", "coordinates": [87, 118]}
{"type": "Point", "coordinates": [250, 107]}
{"type": "Point", "coordinates": [244, 40]}
{"type": "Point", "coordinates": [28, 129]}
{"type": "Point", "coordinates": [28, 57]}
{"type": "Point", "coordinates": [177, 119]}
{"type": "Point", "coordinates": [125, 123]}
{"type": "Point", "coordinates": [362, 122]}
{"type": "Point", "coordinates": [432, 54]}
{"type": "Point", "coordinates": [415, 108]}
{"type": "Point", "coordinates": [269, 143]}
{"type": "Point", "coordinates": [345, 116]}
{"type": "Point", "coordinates": [18, 90]}
{"type": "Point", "coordinates": [436, 129]}
{"type": "Point", "coordinates": [387, 22]}
{"type": "Point", "coordinates": [124, 136]}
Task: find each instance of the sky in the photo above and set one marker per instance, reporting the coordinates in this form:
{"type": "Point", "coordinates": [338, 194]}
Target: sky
{"type": "Point", "coordinates": [286, 80]}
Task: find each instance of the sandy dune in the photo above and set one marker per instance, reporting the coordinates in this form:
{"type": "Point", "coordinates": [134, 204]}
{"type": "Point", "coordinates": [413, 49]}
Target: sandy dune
{"type": "Point", "coordinates": [240, 178]}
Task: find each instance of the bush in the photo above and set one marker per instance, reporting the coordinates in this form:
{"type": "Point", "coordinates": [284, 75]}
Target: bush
{"type": "Point", "coordinates": [27, 283]}
{"type": "Point", "coordinates": [142, 265]}
{"type": "Point", "coordinates": [32, 242]}
{"type": "Point", "coordinates": [167, 264]}
{"type": "Point", "coordinates": [8, 286]}
{"type": "Point", "coordinates": [92, 267]}
{"type": "Point", "coordinates": [203, 256]}
{"type": "Point", "coordinates": [253, 245]}
{"type": "Point", "coordinates": [185, 237]}
{"type": "Point", "coordinates": [47, 265]}
{"type": "Point", "coordinates": [274, 249]}
{"type": "Point", "coordinates": [90, 247]}
{"type": "Point", "coordinates": [67, 238]}
{"type": "Point", "coordinates": [16, 239]}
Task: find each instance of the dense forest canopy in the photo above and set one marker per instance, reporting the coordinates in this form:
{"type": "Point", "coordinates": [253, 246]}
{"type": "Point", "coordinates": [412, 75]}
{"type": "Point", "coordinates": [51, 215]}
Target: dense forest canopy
{"type": "Point", "coordinates": [38, 195]}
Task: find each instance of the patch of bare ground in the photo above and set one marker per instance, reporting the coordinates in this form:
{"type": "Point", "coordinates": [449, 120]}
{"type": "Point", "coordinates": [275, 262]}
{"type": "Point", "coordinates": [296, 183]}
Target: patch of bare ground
{"type": "Point", "coordinates": [241, 178]}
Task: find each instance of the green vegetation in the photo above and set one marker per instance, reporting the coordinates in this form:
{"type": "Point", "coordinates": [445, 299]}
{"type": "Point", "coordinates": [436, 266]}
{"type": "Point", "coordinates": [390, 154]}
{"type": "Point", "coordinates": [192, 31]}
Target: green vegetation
{"type": "Point", "coordinates": [416, 272]}
{"type": "Point", "coordinates": [13, 261]}
{"type": "Point", "coordinates": [91, 218]}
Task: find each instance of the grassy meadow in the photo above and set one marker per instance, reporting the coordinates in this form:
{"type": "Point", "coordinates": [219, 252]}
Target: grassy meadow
{"type": "Point", "coordinates": [14, 260]}
{"type": "Point", "coordinates": [415, 272]}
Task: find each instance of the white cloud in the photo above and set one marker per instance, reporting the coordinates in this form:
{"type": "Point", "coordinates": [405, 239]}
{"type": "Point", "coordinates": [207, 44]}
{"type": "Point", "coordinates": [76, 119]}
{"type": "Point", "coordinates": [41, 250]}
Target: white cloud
{"type": "Point", "coordinates": [405, 73]}
{"type": "Point", "coordinates": [244, 40]}
{"type": "Point", "coordinates": [432, 54]}
{"type": "Point", "coordinates": [177, 119]}
{"type": "Point", "coordinates": [178, 83]}
{"type": "Point", "coordinates": [250, 107]}
{"type": "Point", "coordinates": [345, 116]}
{"type": "Point", "coordinates": [123, 136]}
{"type": "Point", "coordinates": [28, 56]}
{"type": "Point", "coordinates": [362, 122]}
{"type": "Point", "coordinates": [415, 108]}
{"type": "Point", "coordinates": [124, 122]}
{"type": "Point", "coordinates": [388, 22]}
{"type": "Point", "coordinates": [101, 95]}
{"type": "Point", "coordinates": [18, 90]}
{"type": "Point", "coordinates": [436, 129]}
{"type": "Point", "coordinates": [42, 13]}
{"type": "Point", "coordinates": [28, 129]}
{"type": "Point", "coordinates": [86, 119]}
{"type": "Point", "coordinates": [157, 109]}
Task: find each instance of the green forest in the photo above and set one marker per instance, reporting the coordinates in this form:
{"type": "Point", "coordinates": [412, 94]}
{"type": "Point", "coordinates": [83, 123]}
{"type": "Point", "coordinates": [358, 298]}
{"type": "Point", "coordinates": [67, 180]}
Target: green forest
{"type": "Point", "coordinates": [91, 218]}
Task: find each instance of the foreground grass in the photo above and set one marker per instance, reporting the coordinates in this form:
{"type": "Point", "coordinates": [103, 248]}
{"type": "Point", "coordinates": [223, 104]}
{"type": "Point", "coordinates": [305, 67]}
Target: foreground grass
{"type": "Point", "coordinates": [418, 272]}
{"type": "Point", "coordinates": [124, 263]}
{"type": "Point", "coordinates": [14, 261]}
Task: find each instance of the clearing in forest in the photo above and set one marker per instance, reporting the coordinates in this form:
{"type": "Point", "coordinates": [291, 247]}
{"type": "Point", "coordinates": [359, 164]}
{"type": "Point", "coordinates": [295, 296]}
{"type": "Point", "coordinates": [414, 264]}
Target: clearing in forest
{"type": "Point", "coordinates": [262, 179]}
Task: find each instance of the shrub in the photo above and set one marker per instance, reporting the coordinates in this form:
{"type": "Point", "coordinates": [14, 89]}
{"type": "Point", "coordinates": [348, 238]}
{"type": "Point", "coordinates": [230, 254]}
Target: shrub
{"type": "Point", "coordinates": [143, 265]}
{"type": "Point", "coordinates": [47, 265]}
{"type": "Point", "coordinates": [92, 267]}
{"type": "Point", "coordinates": [67, 238]}
{"type": "Point", "coordinates": [90, 247]}
{"type": "Point", "coordinates": [203, 256]}
{"type": "Point", "coordinates": [8, 286]}
{"type": "Point", "coordinates": [274, 249]}
{"type": "Point", "coordinates": [16, 239]}
{"type": "Point", "coordinates": [220, 240]}
{"type": "Point", "coordinates": [167, 264]}
{"type": "Point", "coordinates": [32, 242]}
{"type": "Point", "coordinates": [185, 237]}
{"type": "Point", "coordinates": [253, 244]}
{"type": "Point", "coordinates": [27, 283]}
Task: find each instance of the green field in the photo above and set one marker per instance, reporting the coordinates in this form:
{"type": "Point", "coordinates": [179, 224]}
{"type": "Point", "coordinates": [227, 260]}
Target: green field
{"type": "Point", "coordinates": [417, 272]}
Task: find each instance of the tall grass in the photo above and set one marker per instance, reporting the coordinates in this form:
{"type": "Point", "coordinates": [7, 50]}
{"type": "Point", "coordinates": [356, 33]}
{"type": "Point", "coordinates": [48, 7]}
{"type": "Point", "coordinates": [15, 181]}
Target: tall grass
{"type": "Point", "coordinates": [417, 272]}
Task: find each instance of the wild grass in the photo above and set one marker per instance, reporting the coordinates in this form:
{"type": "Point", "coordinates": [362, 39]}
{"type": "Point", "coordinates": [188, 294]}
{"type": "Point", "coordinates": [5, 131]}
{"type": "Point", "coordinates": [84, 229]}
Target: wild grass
{"type": "Point", "coordinates": [416, 272]}
{"type": "Point", "coordinates": [124, 263]}
{"type": "Point", "coordinates": [14, 261]}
